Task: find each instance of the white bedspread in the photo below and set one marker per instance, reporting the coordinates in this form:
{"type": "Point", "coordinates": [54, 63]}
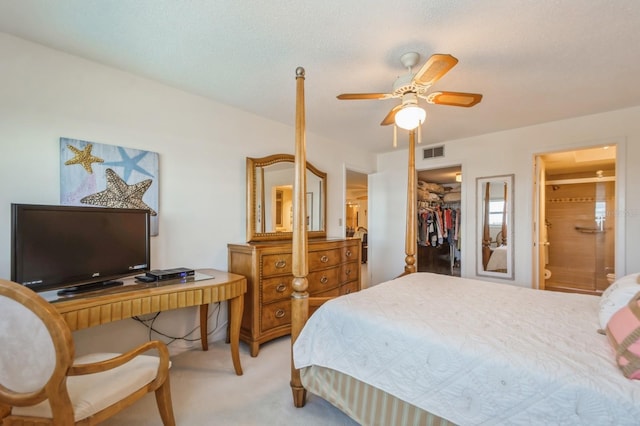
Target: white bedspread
{"type": "Point", "coordinates": [498, 259]}
{"type": "Point", "coordinates": [475, 352]}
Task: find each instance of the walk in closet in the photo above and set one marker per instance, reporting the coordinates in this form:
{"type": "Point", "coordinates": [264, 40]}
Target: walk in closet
{"type": "Point", "coordinates": [439, 231]}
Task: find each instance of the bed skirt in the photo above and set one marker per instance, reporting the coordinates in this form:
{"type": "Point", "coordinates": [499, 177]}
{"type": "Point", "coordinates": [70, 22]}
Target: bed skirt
{"type": "Point", "coordinates": [365, 404]}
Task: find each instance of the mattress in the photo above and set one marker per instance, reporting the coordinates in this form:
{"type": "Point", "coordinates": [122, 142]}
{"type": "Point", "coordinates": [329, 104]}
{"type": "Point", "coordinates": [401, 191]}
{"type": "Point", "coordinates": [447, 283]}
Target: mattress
{"type": "Point", "coordinates": [475, 352]}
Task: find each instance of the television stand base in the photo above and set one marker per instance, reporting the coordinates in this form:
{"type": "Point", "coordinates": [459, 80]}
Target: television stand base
{"type": "Point", "coordinates": [88, 287]}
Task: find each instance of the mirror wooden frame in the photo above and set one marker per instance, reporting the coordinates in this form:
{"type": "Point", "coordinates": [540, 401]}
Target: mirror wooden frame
{"type": "Point", "coordinates": [253, 164]}
{"type": "Point", "coordinates": [495, 240]}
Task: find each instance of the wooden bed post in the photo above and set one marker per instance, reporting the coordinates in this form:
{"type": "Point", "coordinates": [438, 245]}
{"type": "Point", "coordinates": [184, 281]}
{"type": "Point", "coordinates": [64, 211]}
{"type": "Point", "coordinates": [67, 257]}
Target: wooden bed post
{"type": "Point", "coordinates": [486, 236]}
{"type": "Point", "coordinates": [504, 216]}
{"type": "Point", "coordinates": [412, 218]}
{"type": "Point", "coordinates": [300, 296]}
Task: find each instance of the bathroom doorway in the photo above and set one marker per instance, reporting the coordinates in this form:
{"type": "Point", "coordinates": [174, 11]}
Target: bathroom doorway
{"type": "Point", "coordinates": [576, 199]}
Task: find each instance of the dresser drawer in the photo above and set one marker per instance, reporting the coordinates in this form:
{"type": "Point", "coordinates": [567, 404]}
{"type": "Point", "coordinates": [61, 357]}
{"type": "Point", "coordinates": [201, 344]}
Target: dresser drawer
{"type": "Point", "coordinates": [334, 292]}
{"type": "Point", "coordinates": [276, 314]}
{"type": "Point", "coordinates": [275, 264]}
{"type": "Point", "coordinates": [324, 258]}
{"type": "Point", "coordinates": [349, 271]}
{"type": "Point", "coordinates": [350, 252]}
{"type": "Point", "coordinates": [351, 287]}
{"type": "Point", "coordinates": [323, 280]}
{"type": "Point", "coordinates": [276, 288]}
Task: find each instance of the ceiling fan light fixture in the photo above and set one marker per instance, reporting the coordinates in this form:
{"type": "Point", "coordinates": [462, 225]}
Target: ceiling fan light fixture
{"type": "Point", "coordinates": [410, 116]}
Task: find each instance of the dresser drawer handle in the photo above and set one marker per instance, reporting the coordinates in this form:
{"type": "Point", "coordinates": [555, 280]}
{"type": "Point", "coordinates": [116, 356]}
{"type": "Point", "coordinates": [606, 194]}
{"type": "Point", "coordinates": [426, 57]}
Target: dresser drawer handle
{"type": "Point", "coordinates": [348, 272]}
{"type": "Point", "coordinates": [324, 280]}
{"type": "Point", "coordinates": [348, 253]}
{"type": "Point", "coordinates": [280, 313]}
{"type": "Point", "coordinates": [281, 287]}
{"type": "Point", "coordinates": [324, 259]}
{"type": "Point", "coordinates": [281, 264]}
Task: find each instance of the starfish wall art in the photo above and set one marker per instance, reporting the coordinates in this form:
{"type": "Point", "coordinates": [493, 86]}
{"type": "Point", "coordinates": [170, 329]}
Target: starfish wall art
{"type": "Point", "coordinates": [109, 176]}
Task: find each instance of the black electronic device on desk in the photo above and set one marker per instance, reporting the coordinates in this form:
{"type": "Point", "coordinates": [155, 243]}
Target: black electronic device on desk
{"type": "Point", "coordinates": [166, 274]}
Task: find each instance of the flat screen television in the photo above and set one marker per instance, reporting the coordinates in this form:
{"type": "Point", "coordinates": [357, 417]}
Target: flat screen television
{"type": "Point", "coordinates": [77, 248]}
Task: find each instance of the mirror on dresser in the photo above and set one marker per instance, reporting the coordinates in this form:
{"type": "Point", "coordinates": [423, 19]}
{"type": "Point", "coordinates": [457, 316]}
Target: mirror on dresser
{"type": "Point", "coordinates": [270, 199]}
{"type": "Point", "coordinates": [495, 226]}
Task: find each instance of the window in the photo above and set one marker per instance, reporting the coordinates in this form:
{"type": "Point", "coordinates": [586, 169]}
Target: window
{"type": "Point", "coordinates": [496, 209]}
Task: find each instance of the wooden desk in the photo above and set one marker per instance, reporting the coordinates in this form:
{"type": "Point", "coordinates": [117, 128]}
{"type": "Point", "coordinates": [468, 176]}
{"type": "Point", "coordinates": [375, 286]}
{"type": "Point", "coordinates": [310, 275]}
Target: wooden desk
{"type": "Point", "coordinates": [134, 298]}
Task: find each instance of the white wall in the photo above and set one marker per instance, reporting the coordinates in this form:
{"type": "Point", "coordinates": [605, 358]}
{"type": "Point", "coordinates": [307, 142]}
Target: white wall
{"type": "Point", "coordinates": [46, 94]}
{"type": "Point", "coordinates": [501, 153]}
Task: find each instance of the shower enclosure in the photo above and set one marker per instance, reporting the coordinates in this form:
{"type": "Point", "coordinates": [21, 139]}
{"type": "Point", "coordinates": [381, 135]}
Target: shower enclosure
{"type": "Point", "coordinates": [580, 228]}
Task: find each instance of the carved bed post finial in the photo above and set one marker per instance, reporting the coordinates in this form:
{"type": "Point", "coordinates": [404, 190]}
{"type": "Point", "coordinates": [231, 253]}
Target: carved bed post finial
{"type": "Point", "coordinates": [412, 218]}
{"type": "Point", "coordinates": [300, 296]}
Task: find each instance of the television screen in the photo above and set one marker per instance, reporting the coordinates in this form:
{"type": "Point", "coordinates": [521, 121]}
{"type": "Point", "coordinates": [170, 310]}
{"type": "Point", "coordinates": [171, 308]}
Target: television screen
{"type": "Point", "coordinates": [70, 246]}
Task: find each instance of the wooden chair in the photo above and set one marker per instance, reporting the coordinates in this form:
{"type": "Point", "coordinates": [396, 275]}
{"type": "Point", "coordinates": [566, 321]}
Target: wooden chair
{"type": "Point", "coordinates": [41, 384]}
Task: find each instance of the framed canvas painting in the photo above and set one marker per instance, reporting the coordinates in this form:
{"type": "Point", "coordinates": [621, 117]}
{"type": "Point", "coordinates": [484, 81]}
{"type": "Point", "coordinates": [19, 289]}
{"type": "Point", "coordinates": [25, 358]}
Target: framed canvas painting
{"type": "Point", "coordinates": [105, 175]}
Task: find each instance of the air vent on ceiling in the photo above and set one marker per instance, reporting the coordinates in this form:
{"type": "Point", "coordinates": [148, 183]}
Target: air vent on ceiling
{"type": "Point", "coordinates": [435, 151]}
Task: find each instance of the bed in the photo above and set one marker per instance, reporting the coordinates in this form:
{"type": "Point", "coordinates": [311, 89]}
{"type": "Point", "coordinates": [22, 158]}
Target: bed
{"type": "Point", "coordinates": [453, 353]}
{"type": "Point", "coordinates": [498, 259]}
{"type": "Point", "coordinates": [433, 349]}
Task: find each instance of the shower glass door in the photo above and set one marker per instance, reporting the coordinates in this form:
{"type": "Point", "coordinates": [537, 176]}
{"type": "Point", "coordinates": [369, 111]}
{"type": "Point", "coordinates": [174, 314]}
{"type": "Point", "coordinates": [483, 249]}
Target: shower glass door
{"type": "Point", "coordinates": [581, 233]}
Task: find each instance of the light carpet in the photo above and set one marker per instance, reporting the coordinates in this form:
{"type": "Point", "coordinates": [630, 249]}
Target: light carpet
{"type": "Point", "coordinates": [206, 391]}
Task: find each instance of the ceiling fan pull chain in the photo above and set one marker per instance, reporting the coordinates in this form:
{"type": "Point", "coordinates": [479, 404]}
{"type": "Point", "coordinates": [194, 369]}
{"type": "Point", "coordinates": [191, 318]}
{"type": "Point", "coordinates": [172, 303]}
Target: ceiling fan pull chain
{"type": "Point", "coordinates": [395, 136]}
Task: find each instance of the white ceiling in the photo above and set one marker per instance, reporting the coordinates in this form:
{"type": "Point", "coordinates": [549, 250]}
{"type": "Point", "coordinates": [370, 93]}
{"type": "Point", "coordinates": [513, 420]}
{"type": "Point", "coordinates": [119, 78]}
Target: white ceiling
{"type": "Point", "coordinates": [534, 61]}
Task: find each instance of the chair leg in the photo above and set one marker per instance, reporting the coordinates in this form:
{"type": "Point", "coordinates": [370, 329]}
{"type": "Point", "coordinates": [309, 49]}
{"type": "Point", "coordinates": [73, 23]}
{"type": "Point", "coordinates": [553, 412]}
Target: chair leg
{"type": "Point", "coordinates": [165, 407]}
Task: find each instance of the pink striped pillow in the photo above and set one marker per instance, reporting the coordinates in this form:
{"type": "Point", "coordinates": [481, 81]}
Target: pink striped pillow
{"type": "Point", "coordinates": [623, 331]}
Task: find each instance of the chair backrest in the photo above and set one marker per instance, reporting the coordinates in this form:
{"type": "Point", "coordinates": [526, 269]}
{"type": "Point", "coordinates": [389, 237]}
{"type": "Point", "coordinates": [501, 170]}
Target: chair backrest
{"type": "Point", "coordinates": [37, 350]}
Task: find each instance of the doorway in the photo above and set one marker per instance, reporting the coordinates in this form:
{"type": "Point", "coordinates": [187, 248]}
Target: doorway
{"type": "Point", "coordinates": [356, 215]}
{"type": "Point", "coordinates": [439, 218]}
{"type": "Point", "coordinates": [357, 199]}
{"type": "Point", "coordinates": [576, 198]}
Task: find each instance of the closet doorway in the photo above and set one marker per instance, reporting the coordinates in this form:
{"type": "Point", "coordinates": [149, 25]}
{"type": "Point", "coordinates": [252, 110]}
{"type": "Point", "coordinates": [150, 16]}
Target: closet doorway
{"type": "Point", "coordinates": [439, 194]}
{"type": "Point", "coordinates": [576, 201]}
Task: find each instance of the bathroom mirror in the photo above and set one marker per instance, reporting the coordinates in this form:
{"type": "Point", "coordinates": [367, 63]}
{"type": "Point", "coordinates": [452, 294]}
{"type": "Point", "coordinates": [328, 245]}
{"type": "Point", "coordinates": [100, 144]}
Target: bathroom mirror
{"type": "Point", "coordinates": [495, 226]}
{"type": "Point", "coordinates": [270, 198]}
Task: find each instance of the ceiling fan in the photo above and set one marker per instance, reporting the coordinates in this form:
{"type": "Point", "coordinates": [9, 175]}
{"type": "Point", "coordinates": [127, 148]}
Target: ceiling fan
{"type": "Point", "coordinates": [409, 87]}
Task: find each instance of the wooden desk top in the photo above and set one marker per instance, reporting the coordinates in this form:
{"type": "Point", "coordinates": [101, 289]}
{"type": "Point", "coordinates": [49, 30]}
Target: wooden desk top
{"type": "Point", "coordinates": [134, 298]}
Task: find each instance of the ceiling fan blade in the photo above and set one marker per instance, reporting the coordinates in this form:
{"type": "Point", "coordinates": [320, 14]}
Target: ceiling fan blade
{"type": "Point", "coordinates": [454, 98]}
{"type": "Point", "coordinates": [435, 67]}
{"type": "Point", "coordinates": [391, 116]}
{"type": "Point", "coordinates": [356, 96]}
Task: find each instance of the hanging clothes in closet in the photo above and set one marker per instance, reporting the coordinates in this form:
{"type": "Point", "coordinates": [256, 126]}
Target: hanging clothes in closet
{"type": "Point", "coordinates": [438, 223]}
{"type": "Point", "coordinates": [439, 237]}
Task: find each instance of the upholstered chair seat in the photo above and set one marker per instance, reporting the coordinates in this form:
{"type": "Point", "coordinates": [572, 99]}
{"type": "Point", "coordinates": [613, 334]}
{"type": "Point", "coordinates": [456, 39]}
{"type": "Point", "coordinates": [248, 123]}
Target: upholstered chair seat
{"type": "Point", "coordinates": [41, 383]}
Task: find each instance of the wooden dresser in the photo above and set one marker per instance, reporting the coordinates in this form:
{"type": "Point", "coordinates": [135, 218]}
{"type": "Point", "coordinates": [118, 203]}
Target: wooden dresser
{"type": "Point", "coordinates": [334, 269]}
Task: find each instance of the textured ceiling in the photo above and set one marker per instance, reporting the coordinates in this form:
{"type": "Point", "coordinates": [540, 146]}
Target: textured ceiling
{"type": "Point", "coordinates": [534, 61]}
